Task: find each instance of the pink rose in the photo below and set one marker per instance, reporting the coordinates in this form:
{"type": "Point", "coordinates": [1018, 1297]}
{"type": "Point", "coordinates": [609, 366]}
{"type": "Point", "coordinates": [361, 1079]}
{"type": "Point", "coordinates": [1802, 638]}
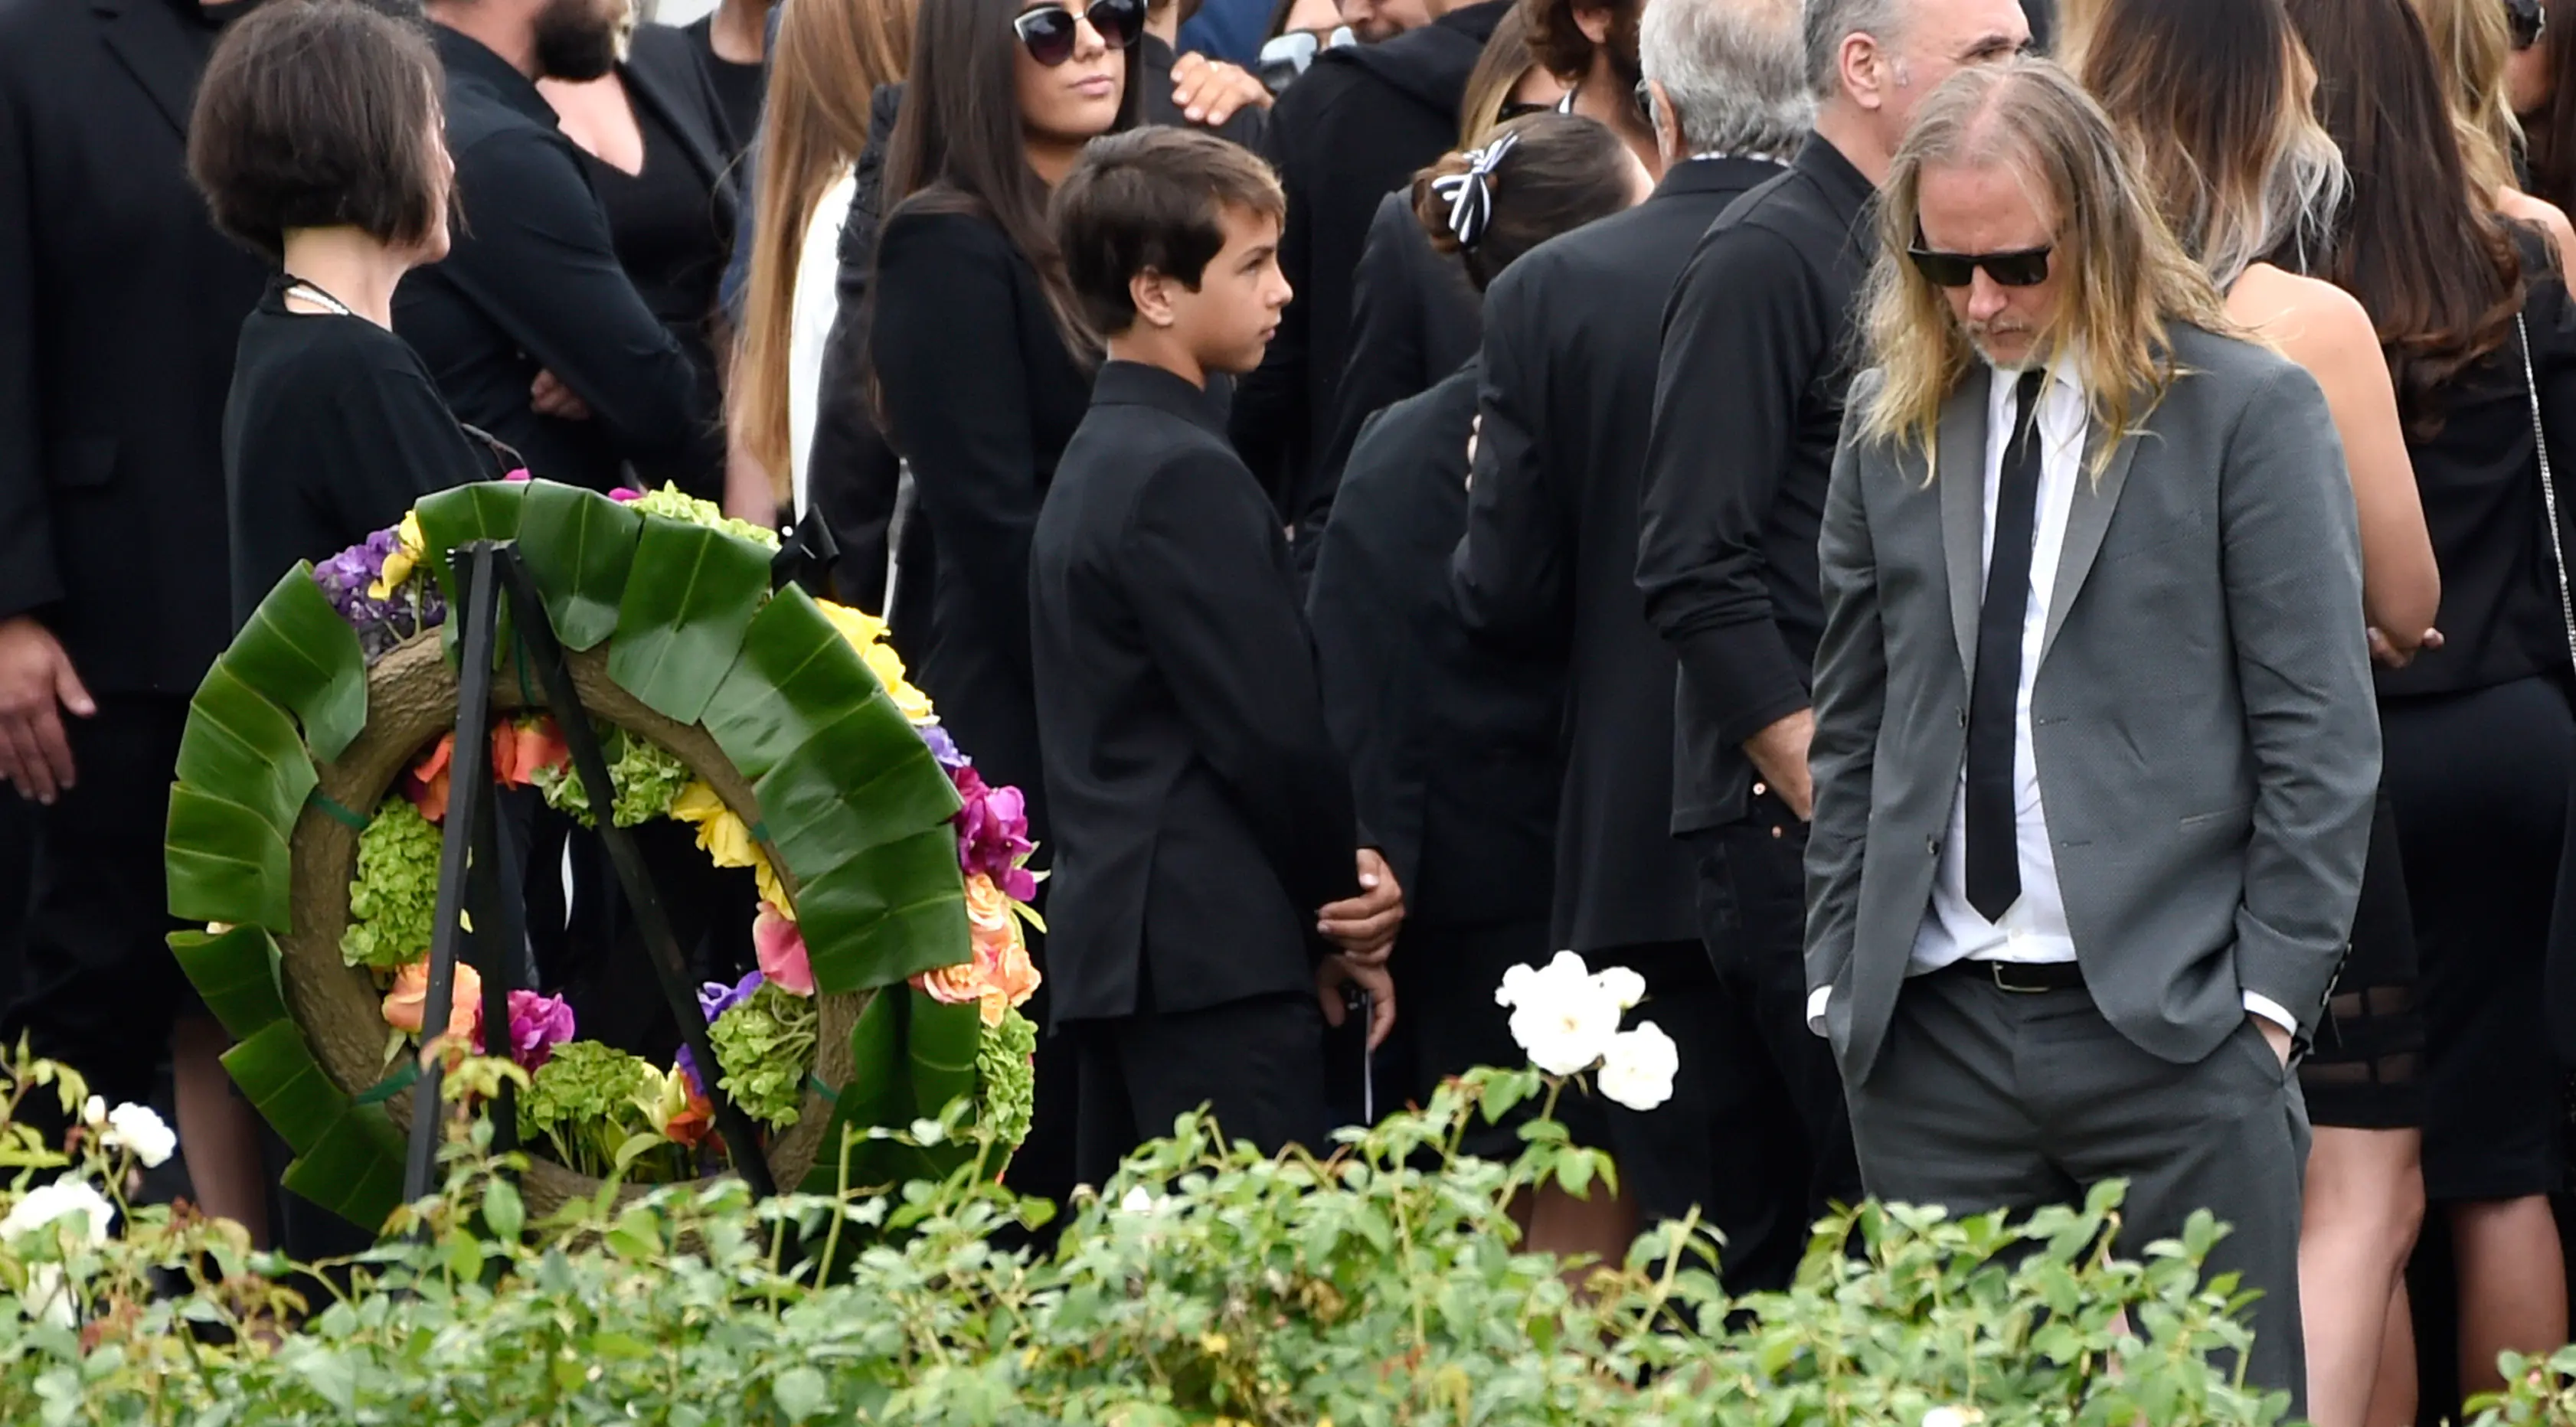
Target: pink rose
{"type": "Point", "coordinates": [781, 949]}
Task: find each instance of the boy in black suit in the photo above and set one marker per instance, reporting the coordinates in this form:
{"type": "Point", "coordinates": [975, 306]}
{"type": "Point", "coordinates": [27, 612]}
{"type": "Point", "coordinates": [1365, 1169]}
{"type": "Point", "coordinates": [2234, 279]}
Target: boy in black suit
{"type": "Point", "coordinates": [1204, 898]}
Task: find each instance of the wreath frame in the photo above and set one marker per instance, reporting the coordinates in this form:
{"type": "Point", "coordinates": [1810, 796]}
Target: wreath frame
{"type": "Point", "coordinates": [672, 631]}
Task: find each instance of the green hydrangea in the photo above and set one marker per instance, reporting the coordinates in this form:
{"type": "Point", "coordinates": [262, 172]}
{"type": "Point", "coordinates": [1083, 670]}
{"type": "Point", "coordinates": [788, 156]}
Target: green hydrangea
{"type": "Point", "coordinates": [1005, 1082]}
{"type": "Point", "coordinates": [393, 904]}
{"type": "Point", "coordinates": [765, 1043]}
{"type": "Point", "coordinates": [584, 1087]}
{"type": "Point", "coordinates": [646, 775]}
{"type": "Point", "coordinates": [671, 503]}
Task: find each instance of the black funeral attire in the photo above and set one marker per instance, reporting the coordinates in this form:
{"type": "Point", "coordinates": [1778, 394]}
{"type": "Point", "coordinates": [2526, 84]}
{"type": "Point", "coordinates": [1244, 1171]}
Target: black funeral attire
{"type": "Point", "coordinates": [1202, 814]}
{"type": "Point", "coordinates": [1749, 399]}
{"type": "Point", "coordinates": [333, 431]}
{"type": "Point", "coordinates": [533, 283]}
{"type": "Point", "coordinates": [120, 307]}
{"type": "Point", "coordinates": [1453, 745]}
{"type": "Point", "coordinates": [1353, 129]}
{"type": "Point", "coordinates": [672, 222]}
{"type": "Point", "coordinates": [740, 89]}
{"type": "Point", "coordinates": [1415, 318]}
{"type": "Point", "coordinates": [1548, 567]}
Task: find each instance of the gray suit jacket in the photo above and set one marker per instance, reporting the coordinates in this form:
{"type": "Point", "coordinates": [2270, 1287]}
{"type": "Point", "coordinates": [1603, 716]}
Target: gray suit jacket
{"type": "Point", "coordinates": [2202, 717]}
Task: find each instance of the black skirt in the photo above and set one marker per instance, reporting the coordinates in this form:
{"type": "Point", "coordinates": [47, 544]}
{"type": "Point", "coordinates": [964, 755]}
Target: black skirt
{"type": "Point", "coordinates": [2365, 1071]}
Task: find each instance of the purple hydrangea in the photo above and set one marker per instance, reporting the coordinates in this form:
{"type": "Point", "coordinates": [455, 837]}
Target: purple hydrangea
{"type": "Point", "coordinates": [381, 623]}
{"type": "Point", "coordinates": [943, 748]}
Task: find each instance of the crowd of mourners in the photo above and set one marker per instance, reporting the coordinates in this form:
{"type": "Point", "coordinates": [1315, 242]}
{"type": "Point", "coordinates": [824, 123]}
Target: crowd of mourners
{"type": "Point", "coordinates": [2001, 556]}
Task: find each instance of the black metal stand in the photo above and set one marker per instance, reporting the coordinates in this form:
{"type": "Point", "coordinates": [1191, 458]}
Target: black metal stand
{"type": "Point", "coordinates": [470, 884]}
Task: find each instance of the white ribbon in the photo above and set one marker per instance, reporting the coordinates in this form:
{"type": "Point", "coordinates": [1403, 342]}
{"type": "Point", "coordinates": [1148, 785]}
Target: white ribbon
{"type": "Point", "coordinates": [1471, 194]}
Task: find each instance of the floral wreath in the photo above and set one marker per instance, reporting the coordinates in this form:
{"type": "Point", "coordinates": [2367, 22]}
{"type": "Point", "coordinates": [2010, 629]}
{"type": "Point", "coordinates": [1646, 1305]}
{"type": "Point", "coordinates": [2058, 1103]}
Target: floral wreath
{"type": "Point", "coordinates": [313, 781]}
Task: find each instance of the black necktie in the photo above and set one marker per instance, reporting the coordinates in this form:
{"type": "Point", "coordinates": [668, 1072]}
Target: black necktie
{"type": "Point", "coordinates": [1993, 853]}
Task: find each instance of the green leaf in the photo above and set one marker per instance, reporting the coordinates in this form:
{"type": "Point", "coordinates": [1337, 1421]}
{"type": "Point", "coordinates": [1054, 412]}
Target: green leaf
{"type": "Point", "coordinates": [239, 746]}
{"type": "Point", "coordinates": [297, 652]}
{"type": "Point", "coordinates": [460, 515]}
{"type": "Point", "coordinates": [874, 1095]}
{"type": "Point", "coordinates": [795, 672]}
{"type": "Point", "coordinates": [279, 1075]}
{"type": "Point", "coordinates": [862, 781]}
{"type": "Point", "coordinates": [579, 545]}
{"type": "Point", "coordinates": [941, 1042]}
{"type": "Point", "coordinates": [678, 631]}
{"type": "Point", "coordinates": [355, 1169]}
{"type": "Point", "coordinates": [800, 1393]}
{"type": "Point", "coordinates": [236, 975]}
{"type": "Point", "coordinates": [503, 1211]}
{"type": "Point", "coordinates": [223, 862]}
{"type": "Point", "coordinates": [886, 913]}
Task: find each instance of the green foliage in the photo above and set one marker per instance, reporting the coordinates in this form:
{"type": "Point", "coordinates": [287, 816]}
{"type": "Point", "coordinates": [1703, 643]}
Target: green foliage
{"type": "Point", "coordinates": [646, 775]}
{"type": "Point", "coordinates": [586, 1103]}
{"type": "Point", "coordinates": [671, 503]}
{"type": "Point", "coordinates": [1005, 1082]}
{"type": "Point", "coordinates": [2538, 1390]}
{"type": "Point", "coordinates": [393, 903]}
{"type": "Point", "coordinates": [765, 1043]}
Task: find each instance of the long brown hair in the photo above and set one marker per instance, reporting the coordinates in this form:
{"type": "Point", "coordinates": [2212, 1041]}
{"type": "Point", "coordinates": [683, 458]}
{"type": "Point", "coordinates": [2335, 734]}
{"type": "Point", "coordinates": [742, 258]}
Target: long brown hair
{"type": "Point", "coordinates": [1559, 172]}
{"type": "Point", "coordinates": [2202, 92]}
{"type": "Point", "coordinates": [2434, 267]}
{"type": "Point", "coordinates": [1504, 62]}
{"type": "Point", "coordinates": [829, 57]}
{"type": "Point", "coordinates": [2127, 280]}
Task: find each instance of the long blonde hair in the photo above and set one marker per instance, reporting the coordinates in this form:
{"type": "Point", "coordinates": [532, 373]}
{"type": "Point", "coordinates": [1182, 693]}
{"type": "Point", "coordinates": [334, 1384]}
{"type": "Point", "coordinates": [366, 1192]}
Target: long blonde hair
{"type": "Point", "coordinates": [829, 58]}
{"type": "Point", "coordinates": [2472, 44]}
{"type": "Point", "coordinates": [2126, 280]}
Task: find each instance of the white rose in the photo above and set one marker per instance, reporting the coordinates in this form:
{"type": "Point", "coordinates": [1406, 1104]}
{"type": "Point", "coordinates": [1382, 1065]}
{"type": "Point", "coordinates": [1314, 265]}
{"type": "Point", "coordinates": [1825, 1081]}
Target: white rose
{"type": "Point", "coordinates": [46, 1203]}
{"type": "Point", "coordinates": [1953, 1417]}
{"type": "Point", "coordinates": [94, 1111]}
{"type": "Point", "coordinates": [1637, 1068]}
{"type": "Point", "coordinates": [1621, 985]}
{"type": "Point", "coordinates": [140, 1130]}
{"type": "Point", "coordinates": [49, 1296]}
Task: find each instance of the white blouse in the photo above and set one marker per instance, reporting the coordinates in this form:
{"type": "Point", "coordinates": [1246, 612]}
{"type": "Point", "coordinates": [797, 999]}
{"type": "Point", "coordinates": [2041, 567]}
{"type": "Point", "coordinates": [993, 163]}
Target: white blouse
{"type": "Point", "coordinates": [815, 304]}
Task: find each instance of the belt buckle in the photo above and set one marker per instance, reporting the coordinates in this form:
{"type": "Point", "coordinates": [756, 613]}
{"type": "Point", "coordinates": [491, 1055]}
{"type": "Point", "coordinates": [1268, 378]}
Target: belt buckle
{"type": "Point", "coordinates": [2000, 970]}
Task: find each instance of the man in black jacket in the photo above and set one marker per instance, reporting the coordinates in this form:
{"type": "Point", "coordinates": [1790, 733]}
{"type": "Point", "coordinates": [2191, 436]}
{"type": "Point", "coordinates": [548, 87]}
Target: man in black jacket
{"type": "Point", "coordinates": [1203, 823]}
{"type": "Point", "coordinates": [1748, 406]}
{"type": "Point", "coordinates": [531, 326]}
{"type": "Point", "coordinates": [1355, 128]}
{"type": "Point", "coordinates": [120, 308]}
{"type": "Point", "coordinates": [1549, 562]}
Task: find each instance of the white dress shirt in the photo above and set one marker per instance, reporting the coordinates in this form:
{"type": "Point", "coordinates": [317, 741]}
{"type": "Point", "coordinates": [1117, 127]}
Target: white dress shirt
{"type": "Point", "coordinates": [2033, 929]}
{"type": "Point", "coordinates": [816, 302]}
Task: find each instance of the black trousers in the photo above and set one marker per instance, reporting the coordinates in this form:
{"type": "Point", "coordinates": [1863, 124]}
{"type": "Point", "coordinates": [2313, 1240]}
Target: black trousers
{"type": "Point", "coordinates": [1796, 1158]}
{"type": "Point", "coordinates": [100, 988]}
{"type": "Point", "coordinates": [1257, 1064]}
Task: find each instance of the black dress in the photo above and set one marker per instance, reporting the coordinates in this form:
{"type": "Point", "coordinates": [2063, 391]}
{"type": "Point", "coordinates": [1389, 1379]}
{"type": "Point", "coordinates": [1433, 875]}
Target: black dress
{"type": "Point", "coordinates": [333, 430]}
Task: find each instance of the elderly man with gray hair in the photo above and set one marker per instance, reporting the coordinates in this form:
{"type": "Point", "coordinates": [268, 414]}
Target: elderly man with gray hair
{"type": "Point", "coordinates": [1548, 567]}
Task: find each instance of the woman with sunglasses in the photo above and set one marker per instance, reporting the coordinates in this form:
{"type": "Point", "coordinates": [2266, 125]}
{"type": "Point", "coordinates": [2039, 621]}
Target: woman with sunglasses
{"type": "Point", "coordinates": [983, 365]}
{"type": "Point", "coordinates": [2480, 737]}
{"type": "Point", "coordinates": [2214, 97]}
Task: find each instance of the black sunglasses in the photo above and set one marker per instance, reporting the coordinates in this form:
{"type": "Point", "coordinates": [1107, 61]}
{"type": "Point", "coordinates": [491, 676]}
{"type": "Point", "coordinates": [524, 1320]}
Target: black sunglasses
{"type": "Point", "coordinates": [2026, 268]}
{"type": "Point", "coordinates": [2529, 21]}
{"type": "Point", "coordinates": [1050, 32]}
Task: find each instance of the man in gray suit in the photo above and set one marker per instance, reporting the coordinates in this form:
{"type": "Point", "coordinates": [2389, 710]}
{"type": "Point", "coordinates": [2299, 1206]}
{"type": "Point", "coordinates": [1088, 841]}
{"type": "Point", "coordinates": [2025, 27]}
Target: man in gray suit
{"type": "Point", "coordinates": [2095, 745]}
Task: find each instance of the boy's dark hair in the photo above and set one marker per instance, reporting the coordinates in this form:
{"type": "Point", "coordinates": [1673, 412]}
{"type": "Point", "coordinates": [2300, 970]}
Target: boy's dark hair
{"type": "Point", "coordinates": [320, 114]}
{"type": "Point", "coordinates": [1557, 41]}
{"type": "Point", "coordinates": [1553, 174]}
{"type": "Point", "coordinates": [1151, 199]}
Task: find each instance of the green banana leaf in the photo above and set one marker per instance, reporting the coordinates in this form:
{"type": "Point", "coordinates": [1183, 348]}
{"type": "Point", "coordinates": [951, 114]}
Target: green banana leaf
{"type": "Point", "coordinates": [223, 862]}
{"type": "Point", "coordinates": [579, 546]}
{"type": "Point", "coordinates": [486, 510]}
{"type": "Point", "coordinates": [941, 1044]}
{"type": "Point", "coordinates": [678, 631]}
{"type": "Point", "coordinates": [887, 913]}
{"type": "Point", "coordinates": [277, 1072]}
{"type": "Point", "coordinates": [795, 671]}
{"type": "Point", "coordinates": [354, 1169]}
{"type": "Point", "coordinates": [235, 973]}
{"type": "Point", "coordinates": [297, 652]}
{"type": "Point", "coordinates": [875, 1095]}
{"type": "Point", "coordinates": [901, 1030]}
{"type": "Point", "coordinates": [239, 746]}
{"type": "Point", "coordinates": [864, 780]}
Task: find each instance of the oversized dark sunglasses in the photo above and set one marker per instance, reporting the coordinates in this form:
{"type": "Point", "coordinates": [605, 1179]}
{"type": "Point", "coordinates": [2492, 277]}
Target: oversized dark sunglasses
{"type": "Point", "coordinates": [2529, 21]}
{"type": "Point", "coordinates": [2026, 268]}
{"type": "Point", "coordinates": [1050, 32]}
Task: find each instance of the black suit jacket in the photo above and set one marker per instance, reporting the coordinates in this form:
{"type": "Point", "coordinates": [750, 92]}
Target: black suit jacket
{"type": "Point", "coordinates": [119, 310]}
{"type": "Point", "coordinates": [981, 394]}
{"type": "Point", "coordinates": [1453, 746]}
{"type": "Point", "coordinates": [533, 284]}
{"type": "Point", "coordinates": [1550, 558]}
{"type": "Point", "coordinates": [1353, 129]}
{"type": "Point", "coordinates": [1201, 813]}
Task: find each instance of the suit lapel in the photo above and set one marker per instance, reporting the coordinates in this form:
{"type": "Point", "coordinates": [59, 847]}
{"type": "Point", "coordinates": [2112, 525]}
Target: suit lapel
{"type": "Point", "coordinates": [2086, 522]}
{"type": "Point", "coordinates": [162, 56]}
{"type": "Point", "coordinates": [1959, 472]}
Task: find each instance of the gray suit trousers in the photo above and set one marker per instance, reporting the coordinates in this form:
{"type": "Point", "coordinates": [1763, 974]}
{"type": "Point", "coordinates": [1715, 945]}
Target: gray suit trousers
{"type": "Point", "coordinates": [1985, 1098]}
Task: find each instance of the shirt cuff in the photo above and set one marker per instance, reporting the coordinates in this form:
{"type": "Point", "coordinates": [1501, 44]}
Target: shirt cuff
{"type": "Point", "coordinates": [2263, 1006]}
{"type": "Point", "coordinates": [1816, 1000]}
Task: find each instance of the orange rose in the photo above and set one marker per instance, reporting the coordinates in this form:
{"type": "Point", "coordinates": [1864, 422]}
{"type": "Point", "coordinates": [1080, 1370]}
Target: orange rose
{"type": "Point", "coordinates": [426, 783]}
{"type": "Point", "coordinates": [522, 746]}
{"type": "Point", "coordinates": [999, 976]}
{"type": "Point", "coordinates": [410, 995]}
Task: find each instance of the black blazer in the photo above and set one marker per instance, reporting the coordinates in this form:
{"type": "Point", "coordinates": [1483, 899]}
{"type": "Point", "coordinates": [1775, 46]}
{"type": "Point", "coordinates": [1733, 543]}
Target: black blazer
{"type": "Point", "coordinates": [1453, 747]}
{"type": "Point", "coordinates": [1202, 816]}
{"type": "Point", "coordinates": [1414, 320]}
{"type": "Point", "coordinates": [533, 284]}
{"type": "Point", "coordinates": [981, 394]}
{"type": "Point", "coordinates": [1550, 558]}
{"type": "Point", "coordinates": [119, 310]}
{"type": "Point", "coordinates": [666, 71]}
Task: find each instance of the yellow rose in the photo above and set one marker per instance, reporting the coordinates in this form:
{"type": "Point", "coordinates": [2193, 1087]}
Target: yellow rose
{"type": "Point", "coordinates": [866, 634]}
{"type": "Point", "coordinates": [722, 836]}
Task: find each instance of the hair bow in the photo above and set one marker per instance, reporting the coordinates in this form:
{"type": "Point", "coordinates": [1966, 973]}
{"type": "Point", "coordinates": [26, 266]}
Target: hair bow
{"type": "Point", "coordinates": [1471, 194]}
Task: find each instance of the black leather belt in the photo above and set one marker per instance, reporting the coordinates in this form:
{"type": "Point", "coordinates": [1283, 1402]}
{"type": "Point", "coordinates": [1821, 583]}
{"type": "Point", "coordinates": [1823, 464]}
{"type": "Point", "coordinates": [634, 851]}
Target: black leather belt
{"type": "Point", "coordinates": [2024, 978]}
